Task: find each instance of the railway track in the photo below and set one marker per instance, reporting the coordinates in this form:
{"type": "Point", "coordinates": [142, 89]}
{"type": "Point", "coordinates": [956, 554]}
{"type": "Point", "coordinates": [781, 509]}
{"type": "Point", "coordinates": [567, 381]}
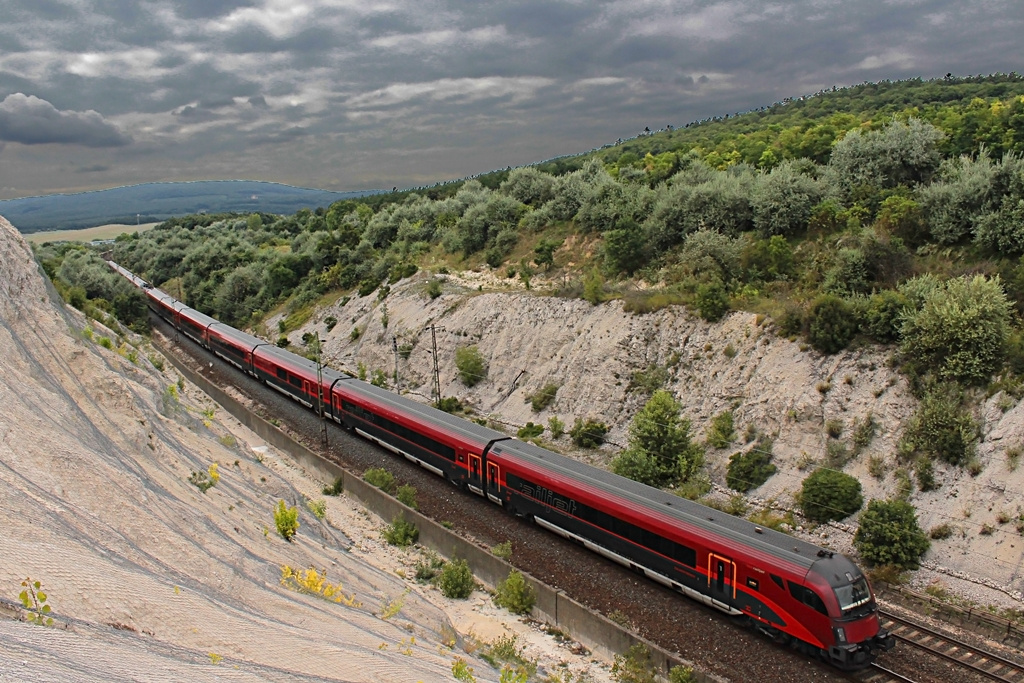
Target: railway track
{"type": "Point", "coordinates": [974, 663]}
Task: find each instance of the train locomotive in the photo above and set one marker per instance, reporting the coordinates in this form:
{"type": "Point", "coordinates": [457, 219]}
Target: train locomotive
{"type": "Point", "coordinates": [794, 591]}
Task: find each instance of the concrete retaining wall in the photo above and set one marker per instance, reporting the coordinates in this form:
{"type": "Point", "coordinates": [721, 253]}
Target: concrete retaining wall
{"type": "Point", "coordinates": [554, 607]}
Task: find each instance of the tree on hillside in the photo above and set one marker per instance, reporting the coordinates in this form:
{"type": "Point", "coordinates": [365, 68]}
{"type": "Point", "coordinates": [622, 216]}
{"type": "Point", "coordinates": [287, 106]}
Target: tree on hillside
{"type": "Point", "coordinates": [660, 451]}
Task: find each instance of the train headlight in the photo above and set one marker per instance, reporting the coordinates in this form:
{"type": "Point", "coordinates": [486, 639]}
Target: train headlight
{"type": "Point", "coordinates": [840, 634]}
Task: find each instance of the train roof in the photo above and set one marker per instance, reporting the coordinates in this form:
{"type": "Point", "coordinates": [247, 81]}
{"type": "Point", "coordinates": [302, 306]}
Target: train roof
{"type": "Point", "coordinates": [461, 426]}
{"type": "Point", "coordinates": [736, 529]}
{"type": "Point", "coordinates": [243, 338]}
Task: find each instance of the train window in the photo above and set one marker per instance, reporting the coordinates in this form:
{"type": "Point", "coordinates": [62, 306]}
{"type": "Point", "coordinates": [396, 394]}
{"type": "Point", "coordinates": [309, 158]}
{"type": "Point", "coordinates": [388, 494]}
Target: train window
{"type": "Point", "coordinates": [752, 583]}
{"type": "Point", "coordinates": [282, 374]}
{"type": "Point", "coordinates": [685, 555]}
{"type": "Point", "coordinates": [778, 581]}
{"type": "Point", "coordinates": [808, 597]}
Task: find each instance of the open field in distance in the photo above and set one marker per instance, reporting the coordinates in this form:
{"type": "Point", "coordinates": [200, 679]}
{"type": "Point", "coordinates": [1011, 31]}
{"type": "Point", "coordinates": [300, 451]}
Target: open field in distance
{"type": "Point", "coordinates": [100, 232]}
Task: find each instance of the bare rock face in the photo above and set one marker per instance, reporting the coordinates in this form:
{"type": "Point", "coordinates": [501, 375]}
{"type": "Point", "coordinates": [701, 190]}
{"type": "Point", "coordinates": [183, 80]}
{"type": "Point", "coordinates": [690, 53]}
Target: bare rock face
{"type": "Point", "coordinates": [807, 403]}
{"type": "Point", "coordinates": [96, 504]}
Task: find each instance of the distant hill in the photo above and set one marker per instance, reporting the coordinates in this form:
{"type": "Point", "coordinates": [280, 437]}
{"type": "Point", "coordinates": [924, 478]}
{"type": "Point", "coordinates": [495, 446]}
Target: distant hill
{"type": "Point", "coordinates": [159, 201]}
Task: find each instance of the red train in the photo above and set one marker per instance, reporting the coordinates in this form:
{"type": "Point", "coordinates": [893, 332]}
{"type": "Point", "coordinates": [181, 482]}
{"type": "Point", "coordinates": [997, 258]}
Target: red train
{"type": "Point", "coordinates": [795, 592]}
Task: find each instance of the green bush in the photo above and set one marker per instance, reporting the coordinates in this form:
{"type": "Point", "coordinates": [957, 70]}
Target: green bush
{"type": "Point", "coordinates": [890, 535]}
{"type": "Point", "coordinates": [942, 427]}
{"type": "Point", "coordinates": [401, 532]}
{"type": "Point", "coordinates": [434, 288]}
{"type": "Point", "coordinates": [960, 330]}
{"type": "Point", "coordinates": [449, 404]}
{"type": "Point", "coordinates": [634, 666]}
{"type": "Point", "coordinates": [515, 594]}
{"type": "Point", "coordinates": [318, 507]}
{"type": "Point", "coordinates": [589, 434]}
{"type": "Point", "coordinates": [381, 478]}
{"type": "Point", "coordinates": [530, 431]}
{"type": "Point", "coordinates": [555, 426]}
{"type": "Point", "coordinates": [543, 397]}
{"type": "Point", "coordinates": [287, 520]}
{"type": "Point", "coordinates": [407, 496]}
{"type": "Point", "coordinates": [883, 315]}
{"type": "Point", "coordinates": [456, 580]}
{"type": "Point", "coordinates": [831, 324]}
{"type": "Point", "coordinates": [830, 495]}
{"type": "Point", "coordinates": [721, 433]}
{"type": "Point", "coordinates": [336, 488]}
{"type": "Point", "coordinates": [470, 364]}
{"type": "Point", "coordinates": [649, 380]}
{"type": "Point", "coordinates": [749, 470]}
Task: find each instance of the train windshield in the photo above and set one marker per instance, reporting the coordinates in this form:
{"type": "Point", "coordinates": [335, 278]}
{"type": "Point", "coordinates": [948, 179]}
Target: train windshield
{"type": "Point", "coordinates": [853, 594]}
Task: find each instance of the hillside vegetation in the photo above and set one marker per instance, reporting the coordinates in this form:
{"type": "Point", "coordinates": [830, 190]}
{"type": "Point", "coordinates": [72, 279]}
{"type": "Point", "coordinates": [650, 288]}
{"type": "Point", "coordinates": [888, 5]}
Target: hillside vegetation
{"type": "Point", "coordinates": [889, 214]}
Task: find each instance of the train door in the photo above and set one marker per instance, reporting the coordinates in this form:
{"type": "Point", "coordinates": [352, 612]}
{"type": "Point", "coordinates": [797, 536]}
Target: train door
{"type": "Point", "coordinates": [721, 578]}
{"type": "Point", "coordinates": [493, 483]}
{"type": "Point", "coordinates": [475, 481]}
{"type": "Point", "coordinates": [309, 391]}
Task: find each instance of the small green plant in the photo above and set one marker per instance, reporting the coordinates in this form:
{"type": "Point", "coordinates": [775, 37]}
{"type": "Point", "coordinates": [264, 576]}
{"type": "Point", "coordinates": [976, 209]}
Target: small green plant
{"type": "Point", "coordinates": [329, 322]}
{"type": "Point", "coordinates": [106, 343]}
{"type": "Point", "coordinates": [555, 427]}
{"type": "Point", "coordinates": [400, 532]}
{"type": "Point", "coordinates": [649, 380]}
{"type": "Point", "coordinates": [502, 550]}
{"type": "Point", "coordinates": [877, 466]}
{"type": "Point", "coordinates": [721, 432]}
{"type": "Point", "coordinates": [940, 532]}
{"type": "Point", "coordinates": [428, 568]}
{"type": "Point", "coordinates": [462, 671]}
{"type": "Point", "coordinates": [864, 433]}
{"type": "Point", "coordinates": [543, 397]}
{"type": "Point", "coordinates": [681, 674]}
{"type": "Point", "coordinates": [336, 488]}
{"type": "Point", "coordinates": [205, 481]}
{"type": "Point", "coordinates": [355, 333]}
{"type": "Point", "coordinates": [449, 404]}
{"type": "Point", "coordinates": [434, 288]}
{"type": "Point", "coordinates": [515, 594]}
{"type": "Point", "coordinates": [407, 496]}
{"type": "Point", "coordinates": [1013, 457]}
{"type": "Point", "coordinates": [456, 579]}
{"type": "Point", "coordinates": [392, 607]}
{"type": "Point", "coordinates": [34, 600]}
{"type": "Point", "coordinates": [318, 507]}
{"type": "Point", "coordinates": [286, 519]}
{"type": "Point", "coordinates": [834, 428]}
{"type": "Point", "coordinates": [634, 666]}
{"type": "Point", "coordinates": [729, 351]}
{"type": "Point", "coordinates": [470, 364]}
{"type": "Point", "coordinates": [530, 431]}
{"type": "Point", "coordinates": [381, 478]}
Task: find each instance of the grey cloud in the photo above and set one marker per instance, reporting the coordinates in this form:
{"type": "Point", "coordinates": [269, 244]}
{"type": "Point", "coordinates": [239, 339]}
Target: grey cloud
{"type": "Point", "coordinates": [96, 168]}
{"type": "Point", "coordinates": [208, 9]}
{"type": "Point", "coordinates": [31, 121]}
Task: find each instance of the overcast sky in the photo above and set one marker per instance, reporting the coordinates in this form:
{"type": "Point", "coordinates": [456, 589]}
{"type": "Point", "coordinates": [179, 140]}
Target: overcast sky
{"type": "Point", "coordinates": [357, 94]}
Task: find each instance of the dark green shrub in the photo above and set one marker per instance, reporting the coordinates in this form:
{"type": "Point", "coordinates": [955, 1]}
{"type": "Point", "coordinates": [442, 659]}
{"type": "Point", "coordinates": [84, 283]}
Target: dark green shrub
{"type": "Point", "coordinates": [649, 380]}
{"type": "Point", "coordinates": [721, 432]}
{"type": "Point", "coordinates": [830, 495]}
{"type": "Point", "coordinates": [470, 364]}
{"type": "Point", "coordinates": [434, 288]}
{"type": "Point", "coordinates": [456, 579]}
{"type": "Point", "coordinates": [515, 594]}
{"type": "Point", "coordinates": [589, 434]}
{"type": "Point", "coordinates": [925, 471]}
{"type": "Point", "coordinates": [831, 324]}
{"type": "Point", "coordinates": [530, 431]}
{"type": "Point", "coordinates": [543, 397]}
{"type": "Point", "coordinates": [890, 535]}
{"type": "Point", "coordinates": [749, 470]}
{"type": "Point", "coordinates": [401, 533]}
{"type": "Point", "coordinates": [336, 488]}
{"type": "Point", "coordinates": [712, 301]}
{"type": "Point", "coordinates": [942, 427]}
{"type": "Point", "coordinates": [660, 451]}
{"type": "Point", "coordinates": [449, 404]}
{"type": "Point", "coordinates": [883, 315]}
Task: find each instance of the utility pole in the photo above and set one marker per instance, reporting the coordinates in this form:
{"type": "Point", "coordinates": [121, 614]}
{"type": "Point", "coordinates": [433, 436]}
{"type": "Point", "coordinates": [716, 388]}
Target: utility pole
{"type": "Point", "coordinates": [394, 347]}
{"type": "Point", "coordinates": [437, 374]}
{"type": "Point", "coordinates": [315, 343]}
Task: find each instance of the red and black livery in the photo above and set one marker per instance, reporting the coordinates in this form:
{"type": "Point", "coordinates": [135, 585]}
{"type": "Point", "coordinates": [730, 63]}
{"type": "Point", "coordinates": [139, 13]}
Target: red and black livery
{"type": "Point", "coordinates": [792, 590]}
